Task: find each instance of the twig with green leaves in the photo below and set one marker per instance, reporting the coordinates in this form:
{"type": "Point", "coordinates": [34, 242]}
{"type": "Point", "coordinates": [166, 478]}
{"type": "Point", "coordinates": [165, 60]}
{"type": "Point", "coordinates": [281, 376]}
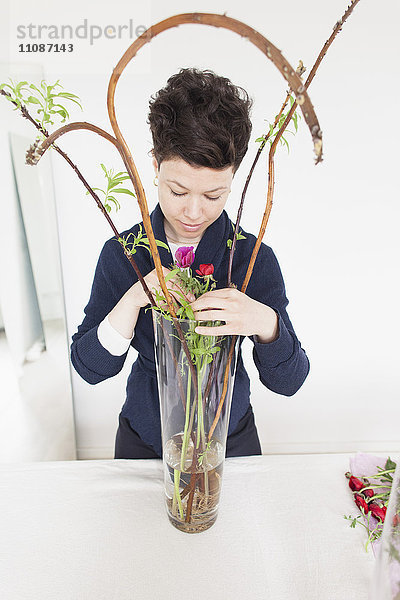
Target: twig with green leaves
{"type": "Point", "coordinates": [45, 96]}
{"type": "Point", "coordinates": [19, 94]}
{"type": "Point", "coordinates": [112, 182]}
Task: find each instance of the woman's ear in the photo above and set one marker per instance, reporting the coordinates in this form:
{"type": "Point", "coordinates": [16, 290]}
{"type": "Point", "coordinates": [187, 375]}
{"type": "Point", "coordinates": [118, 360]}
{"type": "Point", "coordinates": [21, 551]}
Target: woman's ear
{"type": "Point", "coordinates": [155, 165]}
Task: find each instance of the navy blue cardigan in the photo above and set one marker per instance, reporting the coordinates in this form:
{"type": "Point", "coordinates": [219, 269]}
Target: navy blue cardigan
{"type": "Point", "coordinates": [282, 364]}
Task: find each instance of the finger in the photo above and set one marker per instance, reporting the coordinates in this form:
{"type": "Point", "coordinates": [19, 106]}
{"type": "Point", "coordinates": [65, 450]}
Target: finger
{"type": "Point", "coordinates": [210, 303]}
{"type": "Point", "coordinates": [221, 330]}
{"type": "Point", "coordinates": [220, 293]}
{"type": "Point", "coordinates": [210, 315]}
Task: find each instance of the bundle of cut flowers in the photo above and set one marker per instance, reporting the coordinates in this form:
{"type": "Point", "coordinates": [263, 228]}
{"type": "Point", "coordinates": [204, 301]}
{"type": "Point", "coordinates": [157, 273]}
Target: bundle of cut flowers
{"type": "Point", "coordinates": [371, 493]}
{"type": "Point", "coordinates": [181, 270]}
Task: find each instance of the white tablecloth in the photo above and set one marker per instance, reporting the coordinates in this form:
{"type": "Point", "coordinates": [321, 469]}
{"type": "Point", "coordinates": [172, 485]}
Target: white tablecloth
{"type": "Point", "coordinates": [98, 530]}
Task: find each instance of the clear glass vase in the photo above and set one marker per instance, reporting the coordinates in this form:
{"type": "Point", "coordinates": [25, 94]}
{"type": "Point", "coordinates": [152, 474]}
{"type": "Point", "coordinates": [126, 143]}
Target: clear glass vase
{"type": "Point", "coordinates": [195, 399]}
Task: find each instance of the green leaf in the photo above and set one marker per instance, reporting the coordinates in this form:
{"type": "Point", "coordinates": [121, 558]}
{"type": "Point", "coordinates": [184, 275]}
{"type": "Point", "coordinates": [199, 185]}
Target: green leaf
{"type": "Point", "coordinates": [33, 87]}
{"type": "Point", "coordinates": [32, 100]}
{"type": "Point", "coordinates": [67, 95]}
{"type": "Point", "coordinates": [117, 204]}
{"type": "Point", "coordinates": [96, 190]}
{"type": "Point", "coordinates": [171, 274]}
{"type": "Point", "coordinates": [20, 85]}
{"type": "Point", "coordinates": [284, 141]}
{"type": "Point", "coordinates": [160, 243]}
{"type": "Point", "coordinates": [52, 105]}
{"type": "Point", "coordinates": [124, 191]}
{"type": "Point", "coordinates": [113, 182]}
{"type": "Point", "coordinates": [122, 175]}
{"type": "Point", "coordinates": [62, 113]}
{"type": "Point", "coordinates": [189, 312]}
{"type": "Point", "coordinates": [390, 464]}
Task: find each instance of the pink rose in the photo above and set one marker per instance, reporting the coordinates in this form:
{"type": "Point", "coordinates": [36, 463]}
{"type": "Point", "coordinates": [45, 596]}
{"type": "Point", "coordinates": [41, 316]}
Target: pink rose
{"type": "Point", "coordinates": [184, 256]}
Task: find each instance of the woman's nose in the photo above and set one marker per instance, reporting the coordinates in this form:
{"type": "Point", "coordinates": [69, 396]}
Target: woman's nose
{"type": "Point", "coordinates": [193, 209]}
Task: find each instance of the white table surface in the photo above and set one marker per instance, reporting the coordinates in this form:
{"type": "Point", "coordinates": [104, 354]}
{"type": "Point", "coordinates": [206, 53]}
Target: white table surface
{"type": "Point", "coordinates": [94, 530]}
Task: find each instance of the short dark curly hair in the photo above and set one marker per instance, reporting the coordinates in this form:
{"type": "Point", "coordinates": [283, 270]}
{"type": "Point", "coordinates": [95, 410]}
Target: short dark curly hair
{"type": "Point", "coordinates": [202, 118]}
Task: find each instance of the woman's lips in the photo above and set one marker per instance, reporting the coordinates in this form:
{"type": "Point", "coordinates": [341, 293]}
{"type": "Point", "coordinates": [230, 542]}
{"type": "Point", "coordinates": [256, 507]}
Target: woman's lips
{"type": "Point", "coordinates": [191, 227]}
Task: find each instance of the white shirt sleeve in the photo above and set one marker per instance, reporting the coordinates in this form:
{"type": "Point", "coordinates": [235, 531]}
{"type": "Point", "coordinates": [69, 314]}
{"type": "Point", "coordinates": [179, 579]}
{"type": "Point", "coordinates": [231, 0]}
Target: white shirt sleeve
{"type": "Point", "coordinates": [111, 339]}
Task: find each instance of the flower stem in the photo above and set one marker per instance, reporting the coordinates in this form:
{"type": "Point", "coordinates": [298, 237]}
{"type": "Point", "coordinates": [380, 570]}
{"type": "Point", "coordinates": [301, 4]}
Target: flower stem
{"type": "Point", "coordinates": [177, 475]}
{"type": "Point", "coordinates": [377, 475]}
{"type": "Point", "coordinates": [200, 414]}
{"type": "Point", "coordinates": [186, 433]}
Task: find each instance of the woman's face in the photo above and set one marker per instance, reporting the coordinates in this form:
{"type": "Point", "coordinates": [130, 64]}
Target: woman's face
{"type": "Point", "coordinates": [191, 198]}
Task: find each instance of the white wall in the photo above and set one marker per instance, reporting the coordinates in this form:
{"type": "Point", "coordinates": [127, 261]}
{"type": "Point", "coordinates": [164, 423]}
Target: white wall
{"type": "Point", "coordinates": [333, 226]}
{"type": "Point", "coordinates": [18, 295]}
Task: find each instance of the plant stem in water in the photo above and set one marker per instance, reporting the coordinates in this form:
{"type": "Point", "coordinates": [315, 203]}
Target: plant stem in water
{"type": "Point", "coordinates": [186, 433]}
{"type": "Point", "coordinates": [177, 476]}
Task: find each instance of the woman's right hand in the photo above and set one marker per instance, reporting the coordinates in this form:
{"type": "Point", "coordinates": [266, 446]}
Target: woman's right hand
{"type": "Point", "coordinates": [139, 297]}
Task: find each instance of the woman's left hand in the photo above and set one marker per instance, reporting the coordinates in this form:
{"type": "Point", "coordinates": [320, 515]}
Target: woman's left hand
{"type": "Point", "coordinates": [242, 315]}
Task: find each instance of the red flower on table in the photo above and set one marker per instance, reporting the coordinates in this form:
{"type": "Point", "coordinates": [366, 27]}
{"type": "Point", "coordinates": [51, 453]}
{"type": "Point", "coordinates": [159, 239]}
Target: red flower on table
{"type": "Point", "coordinates": [379, 512]}
{"type": "Point", "coordinates": [184, 256]}
{"type": "Point", "coordinates": [368, 493]}
{"type": "Point", "coordinates": [355, 484]}
{"type": "Point", "coordinates": [362, 505]}
{"type": "Point", "coordinates": [205, 270]}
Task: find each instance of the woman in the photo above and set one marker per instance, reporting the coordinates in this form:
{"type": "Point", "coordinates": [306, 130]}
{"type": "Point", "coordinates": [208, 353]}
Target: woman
{"type": "Point", "coordinates": [201, 127]}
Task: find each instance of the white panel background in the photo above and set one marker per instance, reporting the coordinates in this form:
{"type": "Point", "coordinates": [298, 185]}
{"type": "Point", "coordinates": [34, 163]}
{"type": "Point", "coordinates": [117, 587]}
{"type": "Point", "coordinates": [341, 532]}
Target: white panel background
{"type": "Point", "coordinates": [333, 226]}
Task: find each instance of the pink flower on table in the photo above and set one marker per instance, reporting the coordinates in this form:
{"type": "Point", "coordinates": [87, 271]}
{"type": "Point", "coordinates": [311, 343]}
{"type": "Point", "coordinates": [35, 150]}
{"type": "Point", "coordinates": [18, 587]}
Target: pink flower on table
{"type": "Point", "coordinates": [362, 505]}
{"type": "Point", "coordinates": [184, 256]}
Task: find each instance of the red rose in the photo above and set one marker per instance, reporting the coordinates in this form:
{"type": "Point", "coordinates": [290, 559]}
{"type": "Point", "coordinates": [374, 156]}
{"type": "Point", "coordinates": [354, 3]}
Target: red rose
{"type": "Point", "coordinates": [368, 493]}
{"type": "Point", "coordinates": [355, 484]}
{"type": "Point", "coordinates": [362, 505]}
{"type": "Point", "coordinates": [379, 512]}
{"type": "Point", "coordinates": [205, 270]}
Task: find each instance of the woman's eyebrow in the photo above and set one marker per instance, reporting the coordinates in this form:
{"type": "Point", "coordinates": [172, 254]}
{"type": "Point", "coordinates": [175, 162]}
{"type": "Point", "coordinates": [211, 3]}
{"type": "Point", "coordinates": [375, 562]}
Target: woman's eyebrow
{"type": "Point", "coordinates": [208, 192]}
